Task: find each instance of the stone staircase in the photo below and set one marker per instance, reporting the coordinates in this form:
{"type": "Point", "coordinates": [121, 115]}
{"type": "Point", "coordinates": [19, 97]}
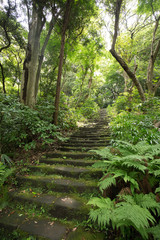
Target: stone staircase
{"type": "Point", "coordinates": [50, 201]}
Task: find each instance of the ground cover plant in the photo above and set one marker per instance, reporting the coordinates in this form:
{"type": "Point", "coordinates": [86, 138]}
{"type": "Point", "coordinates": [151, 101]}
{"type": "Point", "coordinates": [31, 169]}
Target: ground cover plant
{"type": "Point", "coordinates": [139, 124]}
{"type": "Point", "coordinates": [130, 190]}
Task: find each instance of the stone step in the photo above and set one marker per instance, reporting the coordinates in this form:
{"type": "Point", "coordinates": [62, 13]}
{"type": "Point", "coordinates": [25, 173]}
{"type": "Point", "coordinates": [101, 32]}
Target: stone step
{"type": "Point", "coordinates": [77, 148]}
{"type": "Point", "coordinates": [42, 228]}
{"type": "Point", "coordinates": [88, 141]}
{"type": "Point", "coordinates": [91, 137]}
{"type": "Point", "coordinates": [36, 227]}
{"type": "Point", "coordinates": [67, 171]}
{"type": "Point", "coordinates": [85, 144]}
{"type": "Point", "coordinates": [74, 162]}
{"type": "Point", "coordinates": [73, 155]}
{"type": "Point", "coordinates": [60, 184]}
{"type": "Point", "coordinates": [57, 206]}
{"type": "Point", "coordinates": [92, 133]}
{"type": "Point", "coordinates": [94, 129]}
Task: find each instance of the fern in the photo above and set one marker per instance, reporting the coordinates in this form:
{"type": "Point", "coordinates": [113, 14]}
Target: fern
{"type": "Point", "coordinates": [107, 182]}
{"type": "Point", "coordinates": [157, 190]}
{"type": "Point", "coordinates": [147, 201]}
{"type": "Point", "coordinates": [101, 202]}
{"type": "Point", "coordinates": [156, 172]}
{"type": "Point", "coordinates": [134, 164]}
{"type": "Point", "coordinates": [104, 153]}
{"type": "Point", "coordinates": [103, 215]}
{"type": "Point", "coordinates": [130, 211]}
{"type": "Point", "coordinates": [155, 231]}
{"type": "Point", "coordinates": [133, 215]}
{"type": "Point", "coordinates": [4, 173]}
{"type": "Point", "coordinates": [6, 160]}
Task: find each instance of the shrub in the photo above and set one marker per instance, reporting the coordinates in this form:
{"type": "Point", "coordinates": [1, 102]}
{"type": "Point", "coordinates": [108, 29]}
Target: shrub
{"type": "Point", "coordinates": [134, 127]}
{"type": "Point", "coordinates": [21, 126]}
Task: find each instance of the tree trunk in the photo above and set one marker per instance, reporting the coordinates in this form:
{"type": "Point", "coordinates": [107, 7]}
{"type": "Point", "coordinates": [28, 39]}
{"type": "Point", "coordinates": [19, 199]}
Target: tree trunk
{"type": "Point", "coordinates": [58, 88]}
{"type": "Point", "coordinates": [30, 66]}
{"type": "Point", "coordinates": [3, 79]}
{"type": "Point", "coordinates": [51, 26]}
{"type": "Point", "coordinates": [129, 73]}
{"type": "Point", "coordinates": [118, 58]}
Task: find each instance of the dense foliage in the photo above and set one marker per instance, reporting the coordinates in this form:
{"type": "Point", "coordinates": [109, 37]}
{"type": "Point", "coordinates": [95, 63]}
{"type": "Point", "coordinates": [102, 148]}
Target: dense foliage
{"type": "Point", "coordinates": [68, 59]}
{"type": "Point", "coordinates": [131, 185]}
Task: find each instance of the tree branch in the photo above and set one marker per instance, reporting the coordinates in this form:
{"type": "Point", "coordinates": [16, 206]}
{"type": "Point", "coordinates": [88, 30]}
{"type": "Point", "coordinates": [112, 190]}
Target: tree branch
{"type": "Point", "coordinates": [118, 58]}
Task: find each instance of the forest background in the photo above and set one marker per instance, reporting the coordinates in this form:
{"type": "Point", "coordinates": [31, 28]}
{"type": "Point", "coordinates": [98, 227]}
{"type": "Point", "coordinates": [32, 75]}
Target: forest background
{"type": "Point", "coordinates": [56, 71]}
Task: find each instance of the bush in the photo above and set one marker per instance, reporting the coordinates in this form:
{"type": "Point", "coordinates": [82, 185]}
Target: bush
{"type": "Point", "coordinates": [134, 127]}
{"type": "Point", "coordinates": [21, 126]}
{"type": "Point", "coordinates": [89, 109]}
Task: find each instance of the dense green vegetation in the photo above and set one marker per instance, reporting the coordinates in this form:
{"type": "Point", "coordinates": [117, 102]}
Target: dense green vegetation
{"type": "Point", "coordinates": [56, 74]}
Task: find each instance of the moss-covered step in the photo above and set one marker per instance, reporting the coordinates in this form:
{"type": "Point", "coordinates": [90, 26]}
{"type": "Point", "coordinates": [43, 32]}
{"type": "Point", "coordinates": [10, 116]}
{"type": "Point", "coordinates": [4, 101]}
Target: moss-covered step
{"type": "Point", "coordinates": [58, 183]}
{"type": "Point", "coordinates": [75, 155]}
{"type": "Point", "coordinates": [40, 228]}
{"type": "Point", "coordinates": [86, 144]}
{"type": "Point", "coordinates": [77, 149]}
{"type": "Point", "coordinates": [89, 138]}
{"type": "Point", "coordinates": [68, 171]}
{"type": "Point", "coordinates": [90, 135]}
{"type": "Point", "coordinates": [74, 162]}
{"type": "Point", "coordinates": [62, 207]}
{"type": "Point", "coordinates": [81, 234]}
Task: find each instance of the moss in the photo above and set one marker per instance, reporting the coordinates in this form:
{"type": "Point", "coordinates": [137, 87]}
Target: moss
{"type": "Point", "coordinates": [81, 234]}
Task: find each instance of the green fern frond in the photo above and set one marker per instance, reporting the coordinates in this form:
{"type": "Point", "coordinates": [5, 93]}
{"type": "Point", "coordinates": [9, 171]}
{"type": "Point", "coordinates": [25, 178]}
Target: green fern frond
{"type": "Point", "coordinates": [104, 153]}
{"type": "Point", "coordinates": [148, 201]}
{"type": "Point", "coordinates": [142, 148]}
{"type": "Point", "coordinates": [157, 190]}
{"type": "Point", "coordinates": [122, 145]}
{"type": "Point", "coordinates": [133, 215]}
{"type": "Point", "coordinates": [101, 202]}
{"type": "Point", "coordinates": [4, 173]}
{"type": "Point", "coordinates": [123, 214]}
{"type": "Point", "coordinates": [156, 172]}
{"type": "Point", "coordinates": [6, 160]}
{"type": "Point", "coordinates": [135, 164]}
{"type": "Point", "coordinates": [155, 231]}
{"type": "Point", "coordinates": [101, 164]}
{"type": "Point", "coordinates": [156, 161]}
{"type": "Point", "coordinates": [102, 216]}
{"type": "Point", "coordinates": [133, 182]}
{"type": "Point", "coordinates": [107, 182]}
{"type": "Point", "coordinates": [127, 198]}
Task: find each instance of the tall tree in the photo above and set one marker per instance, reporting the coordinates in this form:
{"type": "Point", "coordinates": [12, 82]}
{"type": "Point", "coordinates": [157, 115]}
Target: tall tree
{"type": "Point", "coordinates": [37, 11]}
{"type": "Point", "coordinates": [114, 53]}
{"type": "Point", "coordinates": [155, 46]}
{"type": "Point", "coordinates": [75, 17]}
{"type": "Point", "coordinates": [63, 36]}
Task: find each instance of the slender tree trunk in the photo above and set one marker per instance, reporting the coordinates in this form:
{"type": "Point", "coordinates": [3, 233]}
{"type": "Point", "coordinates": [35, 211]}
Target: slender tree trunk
{"type": "Point", "coordinates": [3, 79]}
{"type": "Point", "coordinates": [58, 88]}
{"type": "Point", "coordinates": [51, 26]}
{"type": "Point", "coordinates": [118, 58]}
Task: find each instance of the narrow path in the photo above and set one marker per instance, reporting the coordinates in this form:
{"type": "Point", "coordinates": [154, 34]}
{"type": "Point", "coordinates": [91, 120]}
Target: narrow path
{"type": "Point", "coordinates": [52, 198]}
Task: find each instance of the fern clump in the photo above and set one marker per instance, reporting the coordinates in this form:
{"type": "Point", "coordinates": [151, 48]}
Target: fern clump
{"type": "Point", "coordinates": [130, 188]}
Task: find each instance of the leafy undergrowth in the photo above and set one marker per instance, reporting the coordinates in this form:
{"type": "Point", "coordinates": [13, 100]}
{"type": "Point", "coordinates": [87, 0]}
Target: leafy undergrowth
{"type": "Point", "coordinates": [130, 202]}
{"type": "Point", "coordinates": [25, 128]}
{"type": "Point", "coordinates": [137, 125]}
